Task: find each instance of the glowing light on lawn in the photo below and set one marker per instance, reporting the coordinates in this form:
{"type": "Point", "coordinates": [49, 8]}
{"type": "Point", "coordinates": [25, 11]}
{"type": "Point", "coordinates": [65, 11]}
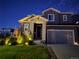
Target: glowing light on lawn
{"type": "Point", "coordinates": [26, 43]}
{"type": "Point", "coordinates": [7, 41]}
{"type": "Point", "coordinates": [9, 44]}
{"type": "Point", "coordinates": [30, 39]}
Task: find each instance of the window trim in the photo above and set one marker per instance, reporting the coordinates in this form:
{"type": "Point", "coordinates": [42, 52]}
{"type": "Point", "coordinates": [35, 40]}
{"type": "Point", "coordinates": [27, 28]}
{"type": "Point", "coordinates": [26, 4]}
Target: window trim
{"type": "Point", "coordinates": [28, 26]}
{"type": "Point", "coordinates": [65, 16]}
{"type": "Point", "coordinates": [52, 17]}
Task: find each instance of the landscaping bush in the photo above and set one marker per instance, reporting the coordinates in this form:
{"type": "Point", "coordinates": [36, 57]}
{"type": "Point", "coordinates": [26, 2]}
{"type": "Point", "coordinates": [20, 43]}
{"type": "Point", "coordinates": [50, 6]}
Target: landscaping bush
{"type": "Point", "coordinates": [4, 36]}
{"type": "Point", "coordinates": [31, 43]}
{"type": "Point", "coordinates": [13, 41]}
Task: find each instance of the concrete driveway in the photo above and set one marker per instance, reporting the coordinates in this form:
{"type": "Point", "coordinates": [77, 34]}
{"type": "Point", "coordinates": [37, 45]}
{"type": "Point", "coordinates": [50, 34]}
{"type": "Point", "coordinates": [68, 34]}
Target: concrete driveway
{"type": "Point", "coordinates": [65, 51]}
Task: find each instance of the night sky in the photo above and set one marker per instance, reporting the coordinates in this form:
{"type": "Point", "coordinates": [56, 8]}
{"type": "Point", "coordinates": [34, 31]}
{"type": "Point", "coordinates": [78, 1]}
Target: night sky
{"type": "Point", "coordinates": [13, 10]}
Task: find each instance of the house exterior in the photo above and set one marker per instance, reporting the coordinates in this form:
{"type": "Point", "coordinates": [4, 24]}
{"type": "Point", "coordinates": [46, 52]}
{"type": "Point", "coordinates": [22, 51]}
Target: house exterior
{"type": "Point", "coordinates": [52, 27]}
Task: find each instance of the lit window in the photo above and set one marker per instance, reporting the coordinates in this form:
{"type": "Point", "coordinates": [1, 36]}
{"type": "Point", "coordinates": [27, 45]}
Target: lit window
{"type": "Point", "coordinates": [64, 17]}
{"type": "Point", "coordinates": [26, 26]}
{"type": "Point", "coordinates": [51, 17]}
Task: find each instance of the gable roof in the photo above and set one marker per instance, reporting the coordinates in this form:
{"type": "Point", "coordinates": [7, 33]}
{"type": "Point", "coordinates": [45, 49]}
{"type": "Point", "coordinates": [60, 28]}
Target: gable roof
{"type": "Point", "coordinates": [26, 18]}
{"type": "Point", "coordinates": [32, 17]}
{"type": "Point", "coordinates": [57, 11]}
{"type": "Point", "coordinates": [39, 17]}
{"type": "Point", "coordinates": [51, 9]}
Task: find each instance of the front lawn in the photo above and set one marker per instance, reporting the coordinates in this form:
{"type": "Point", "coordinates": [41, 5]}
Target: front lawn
{"type": "Point", "coordinates": [23, 52]}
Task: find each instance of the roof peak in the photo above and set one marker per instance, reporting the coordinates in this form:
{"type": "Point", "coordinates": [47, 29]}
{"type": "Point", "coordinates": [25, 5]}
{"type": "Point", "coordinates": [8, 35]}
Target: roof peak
{"type": "Point", "coordinates": [57, 11]}
{"type": "Point", "coordinates": [52, 9]}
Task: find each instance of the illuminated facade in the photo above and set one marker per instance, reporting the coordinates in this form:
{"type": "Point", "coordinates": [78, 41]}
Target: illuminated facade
{"type": "Point", "coordinates": [52, 27]}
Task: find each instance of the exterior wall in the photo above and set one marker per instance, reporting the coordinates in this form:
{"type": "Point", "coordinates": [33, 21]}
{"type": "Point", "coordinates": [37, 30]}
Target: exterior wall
{"type": "Point", "coordinates": [69, 19]}
{"type": "Point", "coordinates": [58, 17]}
{"type": "Point", "coordinates": [21, 27]}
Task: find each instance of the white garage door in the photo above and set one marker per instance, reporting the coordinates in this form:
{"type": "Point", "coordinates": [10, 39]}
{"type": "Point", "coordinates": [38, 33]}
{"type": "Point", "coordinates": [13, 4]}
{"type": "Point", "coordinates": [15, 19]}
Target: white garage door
{"type": "Point", "coordinates": [59, 36]}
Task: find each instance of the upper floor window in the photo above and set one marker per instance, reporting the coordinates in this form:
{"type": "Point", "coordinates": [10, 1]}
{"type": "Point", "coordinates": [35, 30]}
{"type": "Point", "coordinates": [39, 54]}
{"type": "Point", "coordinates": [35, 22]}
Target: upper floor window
{"type": "Point", "coordinates": [51, 17]}
{"type": "Point", "coordinates": [64, 17]}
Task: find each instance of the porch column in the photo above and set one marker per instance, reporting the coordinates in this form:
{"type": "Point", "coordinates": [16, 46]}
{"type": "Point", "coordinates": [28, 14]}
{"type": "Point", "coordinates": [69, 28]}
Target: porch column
{"type": "Point", "coordinates": [44, 32]}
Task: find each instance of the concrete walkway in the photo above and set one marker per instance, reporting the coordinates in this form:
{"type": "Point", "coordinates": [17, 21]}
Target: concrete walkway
{"type": "Point", "coordinates": [64, 51]}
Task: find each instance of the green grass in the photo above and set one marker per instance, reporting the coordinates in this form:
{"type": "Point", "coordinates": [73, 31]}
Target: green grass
{"type": "Point", "coordinates": [23, 52]}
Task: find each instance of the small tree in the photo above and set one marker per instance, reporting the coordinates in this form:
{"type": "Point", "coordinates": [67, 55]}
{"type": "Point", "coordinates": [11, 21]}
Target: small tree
{"type": "Point", "coordinates": [7, 38]}
{"type": "Point", "coordinates": [20, 39]}
{"type": "Point", "coordinates": [28, 38]}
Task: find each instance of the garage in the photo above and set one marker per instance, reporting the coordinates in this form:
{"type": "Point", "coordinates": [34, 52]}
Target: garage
{"type": "Point", "coordinates": [60, 36]}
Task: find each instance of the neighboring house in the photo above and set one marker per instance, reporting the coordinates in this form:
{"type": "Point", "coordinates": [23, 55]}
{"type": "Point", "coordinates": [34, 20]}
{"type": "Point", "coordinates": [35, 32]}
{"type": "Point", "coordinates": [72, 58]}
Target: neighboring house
{"type": "Point", "coordinates": [52, 27]}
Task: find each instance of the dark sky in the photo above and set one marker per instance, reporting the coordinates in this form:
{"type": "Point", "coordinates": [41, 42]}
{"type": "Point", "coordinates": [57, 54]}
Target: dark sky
{"type": "Point", "coordinates": [13, 10]}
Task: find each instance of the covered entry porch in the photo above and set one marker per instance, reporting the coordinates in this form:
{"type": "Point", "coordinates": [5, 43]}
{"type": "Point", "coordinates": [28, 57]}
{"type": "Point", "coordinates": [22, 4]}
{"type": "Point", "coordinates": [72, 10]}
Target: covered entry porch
{"type": "Point", "coordinates": [36, 25]}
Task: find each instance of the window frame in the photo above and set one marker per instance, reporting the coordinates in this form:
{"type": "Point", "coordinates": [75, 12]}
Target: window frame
{"type": "Point", "coordinates": [65, 17]}
{"type": "Point", "coordinates": [26, 26]}
{"type": "Point", "coordinates": [53, 17]}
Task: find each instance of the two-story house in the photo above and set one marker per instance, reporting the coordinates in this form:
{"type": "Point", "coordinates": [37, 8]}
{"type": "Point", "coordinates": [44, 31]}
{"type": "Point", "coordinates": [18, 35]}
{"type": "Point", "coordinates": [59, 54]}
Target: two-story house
{"type": "Point", "coordinates": [52, 27]}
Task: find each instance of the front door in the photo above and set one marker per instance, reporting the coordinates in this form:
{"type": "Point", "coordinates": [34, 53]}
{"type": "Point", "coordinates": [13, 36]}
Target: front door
{"type": "Point", "coordinates": [37, 31]}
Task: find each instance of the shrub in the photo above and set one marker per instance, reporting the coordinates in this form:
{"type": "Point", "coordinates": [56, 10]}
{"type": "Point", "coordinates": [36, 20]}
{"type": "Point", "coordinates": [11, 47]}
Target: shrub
{"type": "Point", "coordinates": [13, 41]}
{"type": "Point", "coordinates": [31, 43]}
